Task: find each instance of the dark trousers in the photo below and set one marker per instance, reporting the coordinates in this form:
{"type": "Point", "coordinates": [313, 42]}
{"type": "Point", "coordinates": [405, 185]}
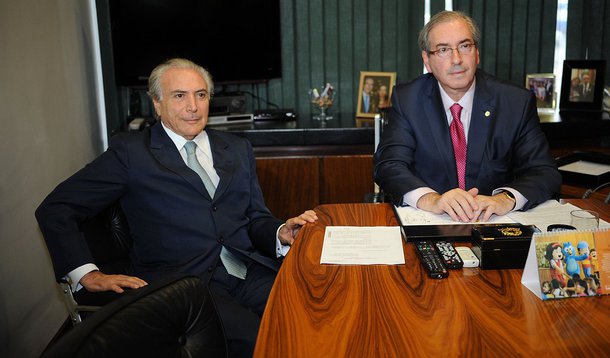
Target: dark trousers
{"type": "Point", "coordinates": [240, 305]}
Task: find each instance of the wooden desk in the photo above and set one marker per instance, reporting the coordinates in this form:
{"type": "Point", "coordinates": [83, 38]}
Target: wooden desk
{"type": "Point", "coordinates": [397, 311]}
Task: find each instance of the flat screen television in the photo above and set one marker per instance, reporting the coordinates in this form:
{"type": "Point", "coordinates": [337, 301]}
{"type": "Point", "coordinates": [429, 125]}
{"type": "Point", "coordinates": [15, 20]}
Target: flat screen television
{"type": "Point", "coordinates": [238, 41]}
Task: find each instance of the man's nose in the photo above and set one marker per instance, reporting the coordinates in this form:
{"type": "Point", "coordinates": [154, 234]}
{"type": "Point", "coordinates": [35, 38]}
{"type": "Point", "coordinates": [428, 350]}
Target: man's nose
{"type": "Point", "coordinates": [456, 57]}
{"type": "Point", "coordinates": [191, 104]}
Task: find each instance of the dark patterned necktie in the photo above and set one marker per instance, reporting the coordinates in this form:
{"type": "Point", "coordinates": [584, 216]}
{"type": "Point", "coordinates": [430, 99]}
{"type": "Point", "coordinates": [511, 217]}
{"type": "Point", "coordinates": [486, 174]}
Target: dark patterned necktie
{"type": "Point", "coordinates": [459, 144]}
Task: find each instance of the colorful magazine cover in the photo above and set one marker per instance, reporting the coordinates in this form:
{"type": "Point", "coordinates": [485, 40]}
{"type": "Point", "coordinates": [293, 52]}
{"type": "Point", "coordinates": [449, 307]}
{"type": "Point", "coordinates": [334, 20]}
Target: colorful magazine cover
{"type": "Point", "coordinates": [570, 263]}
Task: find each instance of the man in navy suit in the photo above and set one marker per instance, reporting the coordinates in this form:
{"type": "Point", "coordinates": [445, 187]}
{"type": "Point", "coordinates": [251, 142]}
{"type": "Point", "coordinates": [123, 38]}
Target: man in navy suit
{"type": "Point", "coordinates": [177, 223]}
{"type": "Point", "coordinates": [507, 164]}
{"type": "Point", "coordinates": [586, 89]}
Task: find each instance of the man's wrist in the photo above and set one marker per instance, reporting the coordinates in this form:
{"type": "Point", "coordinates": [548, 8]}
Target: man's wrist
{"type": "Point", "coordinates": [510, 196]}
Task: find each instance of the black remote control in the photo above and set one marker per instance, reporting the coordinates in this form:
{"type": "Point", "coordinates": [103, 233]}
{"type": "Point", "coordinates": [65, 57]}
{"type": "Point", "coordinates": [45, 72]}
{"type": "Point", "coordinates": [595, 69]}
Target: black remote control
{"type": "Point", "coordinates": [450, 257]}
{"type": "Point", "coordinates": [431, 259]}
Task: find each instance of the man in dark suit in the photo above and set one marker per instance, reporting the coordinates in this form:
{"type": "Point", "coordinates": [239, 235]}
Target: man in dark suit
{"type": "Point", "coordinates": [369, 100]}
{"type": "Point", "coordinates": [200, 211]}
{"type": "Point", "coordinates": [501, 160]}
{"type": "Point", "coordinates": [586, 89]}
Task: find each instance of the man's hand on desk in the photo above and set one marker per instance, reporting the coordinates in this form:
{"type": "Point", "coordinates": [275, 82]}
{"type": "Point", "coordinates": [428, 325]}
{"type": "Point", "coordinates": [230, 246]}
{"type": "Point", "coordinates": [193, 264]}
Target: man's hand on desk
{"type": "Point", "coordinates": [467, 206]}
{"type": "Point", "coordinates": [499, 204]}
{"type": "Point", "coordinates": [289, 231]}
{"type": "Point", "coordinates": [97, 281]}
{"type": "Point", "coordinates": [457, 203]}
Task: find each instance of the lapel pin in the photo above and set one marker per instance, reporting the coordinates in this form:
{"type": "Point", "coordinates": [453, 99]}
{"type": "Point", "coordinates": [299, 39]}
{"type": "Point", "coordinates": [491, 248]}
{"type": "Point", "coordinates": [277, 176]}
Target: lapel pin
{"type": "Point", "coordinates": [487, 113]}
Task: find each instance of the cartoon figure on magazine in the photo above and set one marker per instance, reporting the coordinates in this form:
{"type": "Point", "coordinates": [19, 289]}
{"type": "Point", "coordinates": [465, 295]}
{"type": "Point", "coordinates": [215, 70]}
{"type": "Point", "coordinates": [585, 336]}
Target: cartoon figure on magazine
{"type": "Point", "coordinates": [585, 263]}
{"type": "Point", "coordinates": [594, 266]}
{"type": "Point", "coordinates": [571, 259]}
{"type": "Point", "coordinates": [555, 258]}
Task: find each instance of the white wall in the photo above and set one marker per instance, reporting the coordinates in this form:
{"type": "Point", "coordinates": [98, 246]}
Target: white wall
{"type": "Point", "coordinates": [48, 130]}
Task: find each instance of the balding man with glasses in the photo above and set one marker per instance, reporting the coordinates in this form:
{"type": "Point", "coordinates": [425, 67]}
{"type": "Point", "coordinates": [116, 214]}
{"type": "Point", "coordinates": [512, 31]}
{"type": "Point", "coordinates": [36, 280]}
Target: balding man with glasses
{"type": "Point", "coordinates": [459, 141]}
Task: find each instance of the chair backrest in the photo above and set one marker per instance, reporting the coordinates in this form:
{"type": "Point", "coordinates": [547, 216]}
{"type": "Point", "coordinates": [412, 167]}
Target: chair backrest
{"type": "Point", "coordinates": [109, 241]}
{"type": "Point", "coordinates": [174, 317]}
{"type": "Point", "coordinates": [108, 238]}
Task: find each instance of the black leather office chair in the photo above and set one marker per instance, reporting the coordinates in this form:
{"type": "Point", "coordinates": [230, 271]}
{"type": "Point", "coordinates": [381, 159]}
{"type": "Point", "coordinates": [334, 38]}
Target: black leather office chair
{"type": "Point", "coordinates": [174, 317]}
{"type": "Point", "coordinates": [109, 241]}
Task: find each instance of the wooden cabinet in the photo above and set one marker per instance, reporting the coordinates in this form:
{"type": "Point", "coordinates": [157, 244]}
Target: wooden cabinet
{"type": "Point", "coordinates": [345, 179]}
{"type": "Point", "coordinates": [292, 185]}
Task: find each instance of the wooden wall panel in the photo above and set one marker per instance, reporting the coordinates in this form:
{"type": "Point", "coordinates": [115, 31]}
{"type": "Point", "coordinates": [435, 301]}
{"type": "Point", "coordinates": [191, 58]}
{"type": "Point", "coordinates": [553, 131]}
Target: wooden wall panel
{"type": "Point", "coordinates": [346, 179]}
{"type": "Point", "coordinates": [290, 185]}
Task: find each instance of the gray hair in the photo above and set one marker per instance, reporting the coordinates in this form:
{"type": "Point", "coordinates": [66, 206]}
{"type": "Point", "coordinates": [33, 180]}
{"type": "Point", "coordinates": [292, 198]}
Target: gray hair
{"type": "Point", "coordinates": [154, 81]}
{"type": "Point", "coordinates": [442, 17]}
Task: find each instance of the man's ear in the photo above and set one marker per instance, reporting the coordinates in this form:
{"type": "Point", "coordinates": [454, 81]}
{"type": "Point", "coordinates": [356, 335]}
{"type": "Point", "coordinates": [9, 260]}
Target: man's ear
{"type": "Point", "coordinates": [157, 105]}
{"type": "Point", "coordinates": [478, 56]}
{"type": "Point", "coordinates": [425, 58]}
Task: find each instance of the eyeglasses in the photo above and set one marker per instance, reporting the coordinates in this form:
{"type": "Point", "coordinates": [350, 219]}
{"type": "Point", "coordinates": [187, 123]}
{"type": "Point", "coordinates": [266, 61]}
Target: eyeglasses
{"type": "Point", "coordinates": [446, 51]}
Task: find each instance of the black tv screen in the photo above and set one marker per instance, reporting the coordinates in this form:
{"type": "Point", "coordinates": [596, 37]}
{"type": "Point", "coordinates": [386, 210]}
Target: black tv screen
{"type": "Point", "coordinates": [238, 41]}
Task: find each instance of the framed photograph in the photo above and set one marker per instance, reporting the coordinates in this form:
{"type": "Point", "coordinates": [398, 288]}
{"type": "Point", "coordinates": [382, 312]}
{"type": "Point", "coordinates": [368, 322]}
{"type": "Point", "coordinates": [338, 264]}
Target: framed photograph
{"type": "Point", "coordinates": [374, 92]}
{"type": "Point", "coordinates": [542, 85]}
{"type": "Point", "coordinates": [582, 85]}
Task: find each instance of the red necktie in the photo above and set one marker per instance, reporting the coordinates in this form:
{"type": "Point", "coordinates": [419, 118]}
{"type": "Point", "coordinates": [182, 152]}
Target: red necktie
{"type": "Point", "coordinates": [459, 144]}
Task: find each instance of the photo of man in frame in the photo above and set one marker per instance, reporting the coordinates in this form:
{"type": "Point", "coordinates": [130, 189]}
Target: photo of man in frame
{"type": "Point", "coordinates": [582, 85]}
{"type": "Point", "coordinates": [374, 93]}
{"type": "Point", "coordinates": [369, 99]}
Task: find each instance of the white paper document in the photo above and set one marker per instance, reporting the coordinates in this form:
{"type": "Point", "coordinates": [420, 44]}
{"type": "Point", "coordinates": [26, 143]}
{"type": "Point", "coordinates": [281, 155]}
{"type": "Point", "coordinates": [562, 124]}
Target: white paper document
{"type": "Point", "coordinates": [547, 213]}
{"type": "Point", "coordinates": [584, 167]}
{"type": "Point", "coordinates": [412, 216]}
{"type": "Point", "coordinates": [362, 245]}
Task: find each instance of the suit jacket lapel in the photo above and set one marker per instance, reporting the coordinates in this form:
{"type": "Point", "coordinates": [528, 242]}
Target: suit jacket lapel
{"type": "Point", "coordinates": [165, 151]}
{"type": "Point", "coordinates": [439, 129]}
{"type": "Point", "coordinates": [483, 114]}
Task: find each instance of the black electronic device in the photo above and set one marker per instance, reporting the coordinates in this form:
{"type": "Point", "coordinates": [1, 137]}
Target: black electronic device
{"type": "Point", "coordinates": [450, 232]}
{"type": "Point", "coordinates": [237, 41]}
{"type": "Point", "coordinates": [229, 103]}
{"type": "Point", "coordinates": [450, 257]}
{"type": "Point", "coordinates": [275, 115]}
{"type": "Point", "coordinates": [430, 259]}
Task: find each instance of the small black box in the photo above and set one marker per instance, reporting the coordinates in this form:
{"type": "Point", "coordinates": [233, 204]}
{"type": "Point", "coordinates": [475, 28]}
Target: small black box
{"type": "Point", "coordinates": [502, 246]}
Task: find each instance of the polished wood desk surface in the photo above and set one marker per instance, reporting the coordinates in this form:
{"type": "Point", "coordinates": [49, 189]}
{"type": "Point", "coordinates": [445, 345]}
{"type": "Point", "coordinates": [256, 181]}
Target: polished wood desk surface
{"type": "Point", "coordinates": [398, 311]}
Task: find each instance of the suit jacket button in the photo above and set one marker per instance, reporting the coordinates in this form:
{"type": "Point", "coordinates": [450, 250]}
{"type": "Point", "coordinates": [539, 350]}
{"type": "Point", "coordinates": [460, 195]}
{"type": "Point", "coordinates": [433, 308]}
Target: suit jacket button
{"type": "Point", "coordinates": [214, 208]}
{"type": "Point", "coordinates": [221, 239]}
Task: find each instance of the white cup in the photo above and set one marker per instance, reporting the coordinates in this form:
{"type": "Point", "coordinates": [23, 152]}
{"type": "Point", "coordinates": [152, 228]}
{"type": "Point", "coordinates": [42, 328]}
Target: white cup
{"type": "Point", "coordinates": [584, 219]}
